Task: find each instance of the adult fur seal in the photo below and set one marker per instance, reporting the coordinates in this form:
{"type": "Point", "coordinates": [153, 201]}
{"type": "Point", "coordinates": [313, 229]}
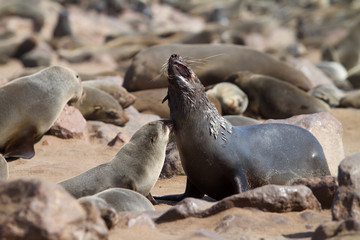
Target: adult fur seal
{"type": "Point", "coordinates": [32, 104]}
{"type": "Point", "coordinates": [272, 98]}
{"type": "Point", "coordinates": [214, 64]}
{"type": "Point", "coordinates": [136, 166]}
{"type": "Point", "coordinates": [220, 159]}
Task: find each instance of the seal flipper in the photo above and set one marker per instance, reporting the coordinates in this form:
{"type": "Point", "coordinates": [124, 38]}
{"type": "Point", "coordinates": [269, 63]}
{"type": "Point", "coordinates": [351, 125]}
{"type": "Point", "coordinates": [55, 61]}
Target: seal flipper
{"type": "Point", "coordinates": [190, 191]}
{"type": "Point", "coordinates": [22, 147]}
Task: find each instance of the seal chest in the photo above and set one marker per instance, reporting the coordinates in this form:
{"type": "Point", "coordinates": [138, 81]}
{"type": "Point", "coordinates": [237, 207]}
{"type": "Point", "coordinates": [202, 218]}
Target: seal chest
{"type": "Point", "coordinates": [220, 159]}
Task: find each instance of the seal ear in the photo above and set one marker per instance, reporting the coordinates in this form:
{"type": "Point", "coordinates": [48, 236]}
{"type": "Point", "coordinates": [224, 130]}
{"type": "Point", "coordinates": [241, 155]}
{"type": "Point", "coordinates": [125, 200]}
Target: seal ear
{"type": "Point", "coordinates": [153, 138]}
{"type": "Point", "coordinates": [97, 107]}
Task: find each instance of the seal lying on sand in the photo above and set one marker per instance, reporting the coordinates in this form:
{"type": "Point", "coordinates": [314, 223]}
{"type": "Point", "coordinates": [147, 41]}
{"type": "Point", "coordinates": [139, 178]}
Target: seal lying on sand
{"type": "Point", "coordinates": [272, 98]}
{"type": "Point", "coordinates": [219, 159]}
{"type": "Point", "coordinates": [101, 106]}
{"type": "Point", "coordinates": [213, 62]}
{"type": "Point", "coordinates": [121, 200]}
{"type": "Point", "coordinates": [136, 166]}
{"type": "Point", "coordinates": [32, 104]}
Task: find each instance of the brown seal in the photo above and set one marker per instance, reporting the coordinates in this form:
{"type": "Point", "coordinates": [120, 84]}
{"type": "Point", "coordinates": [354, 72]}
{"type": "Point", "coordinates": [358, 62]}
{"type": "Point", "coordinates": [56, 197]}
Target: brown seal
{"type": "Point", "coordinates": [272, 98]}
{"type": "Point", "coordinates": [136, 166]}
{"type": "Point", "coordinates": [101, 106]}
{"type": "Point", "coordinates": [32, 104]}
{"type": "Point", "coordinates": [213, 63]}
{"type": "Point", "coordinates": [220, 159]}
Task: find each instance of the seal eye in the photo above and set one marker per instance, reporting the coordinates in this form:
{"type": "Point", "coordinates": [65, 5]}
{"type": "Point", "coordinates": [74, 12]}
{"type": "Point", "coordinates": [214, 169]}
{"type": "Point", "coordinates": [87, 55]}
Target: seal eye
{"type": "Point", "coordinates": [174, 55]}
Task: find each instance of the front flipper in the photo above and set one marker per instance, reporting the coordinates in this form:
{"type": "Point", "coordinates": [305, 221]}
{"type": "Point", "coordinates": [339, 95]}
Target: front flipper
{"type": "Point", "coordinates": [21, 147]}
{"type": "Point", "coordinates": [190, 191]}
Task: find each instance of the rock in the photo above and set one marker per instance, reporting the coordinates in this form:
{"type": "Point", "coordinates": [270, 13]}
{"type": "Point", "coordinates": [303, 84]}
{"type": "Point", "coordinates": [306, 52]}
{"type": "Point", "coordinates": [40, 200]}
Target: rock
{"type": "Point", "coordinates": [347, 198]}
{"type": "Point", "coordinates": [269, 198]}
{"type": "Point", "coordinates": [328, 131]}
{"type": "Point", "coordinates": [39, 209]}
{"type": "Point", "coordinates": [323, 188]}
{"type": "Point", "coordinates": [131, 219]}
{"type": "Point", "coordinates": [103, 131]}
{"type": "Point", "coordinates": [189, 207]}
{"type": "Point", "coordinates": [347, 229]}
{"type": "Point", "coordinates": [172, 165]}
{"type": "Point", "coordinates": [70, 124]}
{"type": "Point", "coordinates": [107, 213]}
{"type": "Point", "coordinates": [315, 75]}
{"type": "Point", "coordinates": [40, 56]}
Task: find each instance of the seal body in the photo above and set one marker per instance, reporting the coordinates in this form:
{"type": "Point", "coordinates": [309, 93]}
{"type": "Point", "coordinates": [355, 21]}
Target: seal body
{"type": "Point", "coordinates": [220, 159]}
{"type": "Point", "coordinates": [136, 166]}
{"type": "Point", "coordinates": [32, 104]}
{"type": "Point", "coordinates": [121, 200]}
{"type": "Point", "coordinates": [101, 106]}
{"type": "Point", "coordinates": [273, 98]}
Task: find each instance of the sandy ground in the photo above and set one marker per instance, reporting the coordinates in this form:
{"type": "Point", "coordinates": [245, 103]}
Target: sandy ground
{"type": "Point", "coordinates": [58, 159]}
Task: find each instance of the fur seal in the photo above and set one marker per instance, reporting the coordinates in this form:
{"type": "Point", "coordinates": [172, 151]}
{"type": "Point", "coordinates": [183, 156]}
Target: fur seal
{"type": "Point", "coordinates": [214, 64]}
{"type": "Point", "coordinates": [329, 93]}
{"type": "Point", "coordinates": [124, 98]}
{"type": "Point", "coordinates": [4, 170]}
{"type": "Point", "coordinates": [136, 166]}
{"type": "Point", "coordinates": [220, 159]}
{"type": "Point", "coordinates": [32, 104]}
{"type": "Point", "coordinates": [101, 106]}
{"type": "Point", "coordinates": [122, 200]}
{"type": "Point", "coordinates": [272, 98]}
{"type": "Point", "coordinates": [233, 100]}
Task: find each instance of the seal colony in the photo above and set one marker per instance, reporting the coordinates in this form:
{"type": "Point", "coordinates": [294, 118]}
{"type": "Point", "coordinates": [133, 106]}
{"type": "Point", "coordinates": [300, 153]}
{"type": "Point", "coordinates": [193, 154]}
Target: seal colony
{"type": "Point", "coordinates": [220, 159]}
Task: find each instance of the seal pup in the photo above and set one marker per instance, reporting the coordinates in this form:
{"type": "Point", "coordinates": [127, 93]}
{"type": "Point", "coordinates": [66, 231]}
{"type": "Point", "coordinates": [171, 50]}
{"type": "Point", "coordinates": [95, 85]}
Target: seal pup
{"type": "Point", "coordinates": [114, 89]}
{"type": "Point", "coordinates": [121, 200]}
{"type": "Point", "coordinates": [101, 106]}
{"type": "Point", "coordinates": [233, 100]}
{"type": "Point", "coordinates": [4, 170]}
{"type": "Point", "coordinates": [32, 104]}
{"type": "Point", "coordinates": [136, 166]}
{"type": "Point", "coordinates": [220, 159]}
{"type": "Point", "coordinates": [273, 98]}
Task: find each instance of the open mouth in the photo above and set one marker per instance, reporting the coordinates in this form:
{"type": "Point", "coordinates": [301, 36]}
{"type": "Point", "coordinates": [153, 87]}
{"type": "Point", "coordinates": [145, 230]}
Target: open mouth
{"type": "Point", "coordinates": [183, 70]}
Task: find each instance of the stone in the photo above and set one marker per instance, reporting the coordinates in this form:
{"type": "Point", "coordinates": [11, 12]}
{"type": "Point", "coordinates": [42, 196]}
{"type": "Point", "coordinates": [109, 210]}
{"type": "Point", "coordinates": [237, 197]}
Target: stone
{"type": "Point", "coordinates": [39, 209]}
{"type": "Point", "coordinates": [172, 165]}
{"type": "Point", "coordinates": [328, 131]}
{"type": "Point", "coordinates": [346, 203]}
{"type": "Point", "coordinates": [315, 75]}
{"type": "Point", "coordinates": [104, 132]}
{"type": "Point", "coordinates": [323, 188]}
{"type": "Point", "coordinates": [70, 124]}
{"type": "Point", "coordinates": [346, 229]}
{"type": "Point", "coordinates": [131, 219]}
{"type": "Point", "coordinates": [40, 56]}
{"type": "Point", "coordinates": [268, 198]}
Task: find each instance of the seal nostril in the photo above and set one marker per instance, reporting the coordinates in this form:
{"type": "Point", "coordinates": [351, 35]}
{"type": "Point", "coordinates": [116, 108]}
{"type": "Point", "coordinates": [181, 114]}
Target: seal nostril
{"type": "Point", "coordinates": [174, 55]}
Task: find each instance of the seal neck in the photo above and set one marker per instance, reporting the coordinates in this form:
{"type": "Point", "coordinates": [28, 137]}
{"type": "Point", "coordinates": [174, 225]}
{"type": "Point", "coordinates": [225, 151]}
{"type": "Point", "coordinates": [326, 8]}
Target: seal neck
{"type": "Point", "coordinates": [191, 107]}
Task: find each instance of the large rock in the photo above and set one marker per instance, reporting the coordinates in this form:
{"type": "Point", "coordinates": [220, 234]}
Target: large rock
{"type": "Point", "coordinates": [323, 188]}
{"type": "Point", "coordinates": [39, 209]}
{"type": "Point", "coordinates": [347, 229]}
{"type": "Point", "coordinates": [347, 198]}
{"type": "Point", "coordinates": [328, 131]}
{"type": "Point", "coordinates": [70, 124]}
{"type": "Point", "coordinates": [269, 198]}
